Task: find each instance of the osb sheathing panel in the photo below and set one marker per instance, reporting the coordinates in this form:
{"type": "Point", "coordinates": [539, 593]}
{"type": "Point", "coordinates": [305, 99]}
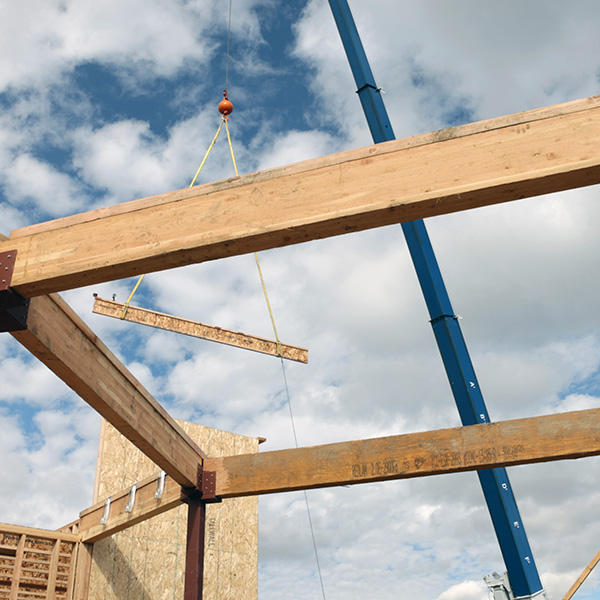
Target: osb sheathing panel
{"type": "Point", "coordinates": [147, 561]}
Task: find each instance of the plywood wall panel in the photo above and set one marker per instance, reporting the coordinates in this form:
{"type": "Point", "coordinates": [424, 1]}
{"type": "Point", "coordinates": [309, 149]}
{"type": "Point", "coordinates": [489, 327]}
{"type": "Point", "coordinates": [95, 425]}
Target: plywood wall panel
{"type": "Point", "coordinates": [147, 561]}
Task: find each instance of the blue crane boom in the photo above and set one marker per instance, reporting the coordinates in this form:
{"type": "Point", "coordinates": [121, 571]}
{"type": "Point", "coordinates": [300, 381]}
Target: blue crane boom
{"type": "Point", "coordinates": [522, 571]}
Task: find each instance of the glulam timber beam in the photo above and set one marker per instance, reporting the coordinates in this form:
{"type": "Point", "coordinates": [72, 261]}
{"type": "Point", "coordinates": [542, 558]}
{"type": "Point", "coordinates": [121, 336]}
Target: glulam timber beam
{"type": "Point", "coordinates": [508, 158]}
{"type": "Point", "coordinates": [59, 338]}
{"type": "Point", "coordinates": [484, 446]}
{"type": "Point", "coordinates": [152, 318]}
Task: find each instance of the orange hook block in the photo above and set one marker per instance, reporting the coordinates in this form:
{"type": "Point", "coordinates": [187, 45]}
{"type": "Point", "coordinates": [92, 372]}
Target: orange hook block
{"type": "Point", "coordinates": [225, 106]}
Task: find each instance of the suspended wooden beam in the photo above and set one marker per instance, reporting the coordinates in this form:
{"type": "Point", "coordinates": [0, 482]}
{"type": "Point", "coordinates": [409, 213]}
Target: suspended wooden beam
{"type": "Point", "coordinates": [485, 446]}
{"type": "Point", "coordinates": [532, 153]}
{"type": "Point", "coordinates": [134, 314]}
{"type": "Point", "coordinates": [582, 577]}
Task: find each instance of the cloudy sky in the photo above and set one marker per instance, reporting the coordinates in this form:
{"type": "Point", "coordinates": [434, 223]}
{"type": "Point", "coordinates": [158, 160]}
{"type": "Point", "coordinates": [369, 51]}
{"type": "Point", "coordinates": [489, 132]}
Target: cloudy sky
{"type": "Point", "coordinates": [106, 102]}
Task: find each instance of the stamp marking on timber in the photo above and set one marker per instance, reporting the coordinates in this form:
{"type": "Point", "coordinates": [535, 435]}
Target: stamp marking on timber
{"type": "Point", "coordinates": [439, 460]}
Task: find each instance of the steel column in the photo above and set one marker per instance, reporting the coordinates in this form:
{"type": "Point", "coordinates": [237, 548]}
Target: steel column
{"type": "Point", "coordinates": [499, 497]}
{"type": "Point", "coordinates": [194, 557]}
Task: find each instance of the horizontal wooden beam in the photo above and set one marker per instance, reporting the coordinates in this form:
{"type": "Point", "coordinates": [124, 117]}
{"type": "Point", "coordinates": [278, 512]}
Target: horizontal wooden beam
{"type": "Point", "coordinates": [146, 505]}
{"type": "Point", "coordinates": [34, 532]}
{"type": "Point", "coordinates": [485, 446]}
{"type": "Point", "coordinates": [159, 320]}
{"type": "Point", "coordinates": [58, 337]}
{"type": "Point", "coordinates": [532, 153]}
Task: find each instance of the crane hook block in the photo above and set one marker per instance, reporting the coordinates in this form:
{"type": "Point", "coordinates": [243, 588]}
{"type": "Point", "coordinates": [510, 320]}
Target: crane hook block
{"type": "Point", "coordinates": [225, 106]}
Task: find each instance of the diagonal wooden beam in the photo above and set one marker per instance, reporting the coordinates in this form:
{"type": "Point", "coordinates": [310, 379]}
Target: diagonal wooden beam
{"type": "Point", "coordinates": [143, 316]}
{"type": "Point", "coordinates": [485, 446]}
{"type": "Point", "coordinates": [67, 346]}
{"type": "Point", "coordinates": [532, 153]}
{"type": "Point", "coordinates": [584, 575]}
{"type": "Point", "coordinates": [58, 337]}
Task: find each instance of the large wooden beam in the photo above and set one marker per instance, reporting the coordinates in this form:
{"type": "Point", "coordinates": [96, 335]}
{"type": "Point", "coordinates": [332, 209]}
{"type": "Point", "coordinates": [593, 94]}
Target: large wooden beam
{"type": "Point", "coordinates": [143, 316]}
{"type": "Point", "coordinates": [61, 340]}
{"type": "Point", "coordinates": [532, 153]}
{"type": "Point", "coordinates": [485, 446]}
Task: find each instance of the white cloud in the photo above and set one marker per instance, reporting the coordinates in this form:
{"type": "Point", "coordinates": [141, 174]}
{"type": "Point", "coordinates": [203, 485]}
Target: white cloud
{"type": "Point", "coordinates": [295, 146]}
{"type": "Point", "coordinates": [49, 38]}
{"type": "Point", "coordinates": [30, 380]}
{"type": "Point", "coordinates": [439, 59]}
{"type": "Point", "coordinates": [48, 481]}
{"type": "Point", "coordinates": [30, 180]}
{"type": "Point", "coordinates": [520, 275]}
{"type": "Point", "coordinates": [466, 590]}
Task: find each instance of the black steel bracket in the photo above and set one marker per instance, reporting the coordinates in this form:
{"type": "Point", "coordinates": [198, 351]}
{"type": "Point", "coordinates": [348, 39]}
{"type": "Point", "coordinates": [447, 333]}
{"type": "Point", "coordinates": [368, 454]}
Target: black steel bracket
{"type": "Point", "coordinates": [13, 307]}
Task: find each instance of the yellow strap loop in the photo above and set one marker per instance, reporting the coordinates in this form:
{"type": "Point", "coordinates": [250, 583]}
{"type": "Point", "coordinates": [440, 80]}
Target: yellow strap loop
{"type": "Point", "coordinates": [208, 152]}
{"type": "Point", "coordinates": [262, 279]}
{"type": "Point", "coordinates": [230, 146]}
{"type": "Point", "coordinates": [124, 313]}
{"type": "Point", "coordinates": [137, 285]}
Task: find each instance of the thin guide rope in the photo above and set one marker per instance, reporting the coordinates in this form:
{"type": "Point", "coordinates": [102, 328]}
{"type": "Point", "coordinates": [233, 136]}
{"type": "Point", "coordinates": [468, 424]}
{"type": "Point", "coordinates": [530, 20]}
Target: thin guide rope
{"type": "Point", "coordinates": [287, 391]}
{"type": "Point", "coordinates": [312, 531]}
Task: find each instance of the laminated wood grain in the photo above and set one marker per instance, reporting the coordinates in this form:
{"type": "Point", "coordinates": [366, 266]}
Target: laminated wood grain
{"type": "Point", "coordinates": [504, 159]}
{"type": "Point", "coordinates": [57, 336]}
{"type": "Point", "coordinates": [484, 446]}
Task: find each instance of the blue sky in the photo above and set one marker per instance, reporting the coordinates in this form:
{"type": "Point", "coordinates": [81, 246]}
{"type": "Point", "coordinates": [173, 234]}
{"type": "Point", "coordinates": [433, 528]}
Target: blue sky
{"type": "Point", "coordinates": [102, 103]}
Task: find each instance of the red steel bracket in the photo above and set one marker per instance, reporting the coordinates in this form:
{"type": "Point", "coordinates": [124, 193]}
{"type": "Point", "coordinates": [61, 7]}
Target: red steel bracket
{"type": "Point", "coordinates": [205, 488]}
{"type": "Point", "coordinates": [13, 308]}
{"type": "Point", "coordinates": [209, 486]}
{"type": "Point", "coordinates": [7, 266]}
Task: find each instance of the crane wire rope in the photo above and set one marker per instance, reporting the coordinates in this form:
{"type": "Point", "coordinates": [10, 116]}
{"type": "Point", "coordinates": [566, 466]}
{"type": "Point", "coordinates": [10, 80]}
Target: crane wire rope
{"type": "Point", "coordinates": [272, 317]}
{"type": "Point", "coordinates": [312, 531]}
{"type": "Point", "coordinates": [225, 120]}
{"type": "Point", "coordinates": [228, 40]}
